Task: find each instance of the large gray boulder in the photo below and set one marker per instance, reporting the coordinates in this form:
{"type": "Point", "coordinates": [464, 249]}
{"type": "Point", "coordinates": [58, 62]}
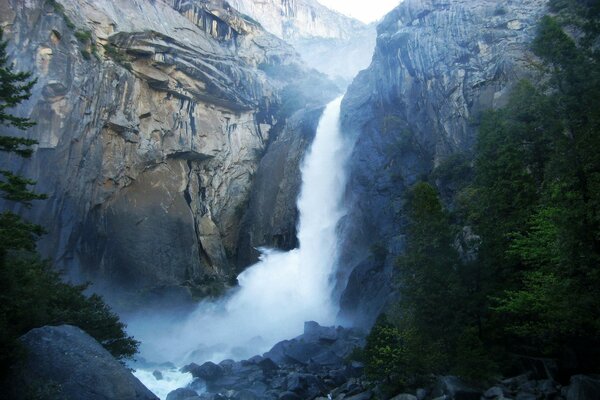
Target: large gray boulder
{"type": "Point", "coordinates": [73, 366]}
{"type": "Point", "coordinates": [584, 387]}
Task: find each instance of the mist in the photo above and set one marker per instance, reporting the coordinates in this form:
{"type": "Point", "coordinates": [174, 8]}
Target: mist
{"type": "Point", "coordinates": [279, 293]}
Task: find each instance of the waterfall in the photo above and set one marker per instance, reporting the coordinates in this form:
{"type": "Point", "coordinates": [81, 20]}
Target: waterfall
{"type": "Point", "coordinates": [284, 289]}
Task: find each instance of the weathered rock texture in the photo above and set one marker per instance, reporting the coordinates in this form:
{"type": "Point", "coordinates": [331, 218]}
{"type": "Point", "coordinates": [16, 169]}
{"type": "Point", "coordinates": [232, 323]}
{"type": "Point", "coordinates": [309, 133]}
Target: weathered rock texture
{"type": "Point", "coordinates": [272, 215]}
{"type": "Point", "coordinates": [64, 362]}
{"type": "Point", "coordinates": [298, 19]}
{"type": "Point", "coordinates": [152, 119]}
{"type": "Point", "coordinates": [328, 41]}
{"type": "Point", "coordinates": [437, 65]}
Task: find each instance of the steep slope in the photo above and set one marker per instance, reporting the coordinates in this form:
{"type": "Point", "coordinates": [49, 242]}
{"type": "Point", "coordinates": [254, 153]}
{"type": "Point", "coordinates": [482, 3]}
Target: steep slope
{"type": "Point", "coordinates": [299, 19]}
{"type": "Point", "coordinates": [152, 119]}
{"type": "Point", "coordinates": [437, 66]}
{"type": "Point", "coordinates": [328, 41]}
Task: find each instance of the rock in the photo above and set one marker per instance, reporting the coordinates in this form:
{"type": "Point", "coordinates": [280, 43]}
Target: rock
{"type": "Point", "coordinates": [525, 396]}
{"type": "Point", "coordinates": [182, 394]}
{"type": "Point", "coordinates": [305, 385]}
{"type": "Point", "coordinates": [208, 371]}
{"type": "Point", "coordinates": [362, 396]}
{"type": "Point", "coordinates": [329, 41]}
{"type": "Point", "coordinates": [313, 332]}
{"type": "Point", "coordinates": [421, 394]}
{"type": "Point", "coordinates": [454, 389]}
{"type": "Point", "coordinates": [404, 396]}
{"type": "Point", "coordinates": [289, 396]}
{"type": "Point", "coordinates": [77, 366]}
{"type": "Point", "coordinates": [246, 395]}
{"type": "Point", "coordinates": [157, 374]}
{"type": "Point", "coordinates": [494, 393]}
{"type": "Point", "coordinates": [548, 388]}
{"type": "Point", "coordinates": [583, 387]}
{"type": "Point", "coordinates": [517, 381]}
{"type": "Point", "coordinates": [268, 365]}
{"type": "Point", "coordinates": [355, 369]}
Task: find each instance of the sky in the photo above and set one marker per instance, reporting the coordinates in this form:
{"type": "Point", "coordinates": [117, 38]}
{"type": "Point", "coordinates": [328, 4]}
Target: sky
{"type": "Point", "coordinates": [363, 10]}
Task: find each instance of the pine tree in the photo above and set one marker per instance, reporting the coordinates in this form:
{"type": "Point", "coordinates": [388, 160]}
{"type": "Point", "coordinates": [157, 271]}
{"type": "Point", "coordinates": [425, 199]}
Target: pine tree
{"type": "Point", "coordinates": [31, 292]}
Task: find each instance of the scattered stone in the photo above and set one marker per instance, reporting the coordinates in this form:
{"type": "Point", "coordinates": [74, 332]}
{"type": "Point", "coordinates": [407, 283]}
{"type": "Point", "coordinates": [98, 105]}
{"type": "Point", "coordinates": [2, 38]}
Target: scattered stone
{"type": "Point", "coordinates": [289, 396]}
{"type": "Point", "coordinates": [421, 394]}
{"type": "Point", "coordinates": [157, 374]}
{"type": "Point", "coordinates": [455, 389]}
{"type": "Point", "coordinates": [404, 396]}
{"type": "Point", "coordinates": [525, 396]}
{"type": "Point", "coordinates": [208, 371]}
{"type": "Point", "coordinates": [494, 393]}
{"type": "Point", "coordinates": [583, 387]}
{"type": "Point", "coordinates": [182, 394]}
{"type": "Point", "coordinates": [361, 396]}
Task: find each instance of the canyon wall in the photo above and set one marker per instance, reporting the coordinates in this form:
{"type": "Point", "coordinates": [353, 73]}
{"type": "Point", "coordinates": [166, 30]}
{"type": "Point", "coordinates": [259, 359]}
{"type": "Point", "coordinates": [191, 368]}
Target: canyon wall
{"type": "Point", "coordinates": [438, 64]}
{"type": "Point", "coordinates": [152, 120]}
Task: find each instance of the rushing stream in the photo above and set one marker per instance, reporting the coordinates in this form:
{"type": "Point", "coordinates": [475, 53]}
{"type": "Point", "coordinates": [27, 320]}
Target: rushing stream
{"type": "Point", "coordinates": [279, 293]}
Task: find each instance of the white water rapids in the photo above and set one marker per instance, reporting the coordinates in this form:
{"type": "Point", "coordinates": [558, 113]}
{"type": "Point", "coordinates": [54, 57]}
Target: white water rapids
{"type": "Point", "coordinates": [279, 293]}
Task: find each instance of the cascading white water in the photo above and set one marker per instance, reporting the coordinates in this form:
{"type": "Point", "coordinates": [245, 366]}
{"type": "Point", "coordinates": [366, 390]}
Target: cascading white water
{"type": "Point", "coordinates": [282, 291]}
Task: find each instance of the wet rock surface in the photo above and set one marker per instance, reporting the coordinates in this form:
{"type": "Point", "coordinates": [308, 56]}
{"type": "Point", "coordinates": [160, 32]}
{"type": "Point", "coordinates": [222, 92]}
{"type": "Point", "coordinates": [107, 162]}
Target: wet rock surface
{"type": "Point", "coordinates": [310, 366]}
{"type": "Point", "coordinates": [64, 362]}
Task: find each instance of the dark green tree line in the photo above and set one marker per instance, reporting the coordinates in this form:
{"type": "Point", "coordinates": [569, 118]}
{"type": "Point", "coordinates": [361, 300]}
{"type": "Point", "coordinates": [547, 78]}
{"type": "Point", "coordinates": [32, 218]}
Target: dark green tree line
{"type": "Point", "coordinates": [534, 204]}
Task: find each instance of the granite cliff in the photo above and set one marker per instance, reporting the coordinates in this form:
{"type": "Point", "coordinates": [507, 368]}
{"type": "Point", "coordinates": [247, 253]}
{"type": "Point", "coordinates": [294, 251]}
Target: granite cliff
{"type": "Point", "coordinates": [437, 66]}
{"type": "Point", "coordinates": [152, 120]}
{"type": "Point", "coordinates": [328, 41]}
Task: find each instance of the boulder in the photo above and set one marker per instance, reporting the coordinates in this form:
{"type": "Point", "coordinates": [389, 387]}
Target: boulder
{"type": "Point", "coordinates": [182, 394]}
{"type": "Point", "coordinates": [455, 389]}
{"type": "Point", "coordinates": [404, 396]}
{"type": "Point", "coordinates": [76, 366]}
{"type": "Point", "coordinates": [583, 387]}
{"type": "Point", "coordinates": [525, 396]}
{"type": "Point", "coordinates": [289, 396]}
{"type": "Point", "coordinates": [158, 375]}
{"type": "Point", "coordinates": [314, 332]}
{"type": "Point", "coordinates": [208, 371]}
{"type": "Point", "coordinates": [361, 396]}
{"type": "Point", "coordinates": [305, 385]}
{"type": "Point", "coordinates": [246, 395]}
{"type": "Point", "coordinates": [494, 393]}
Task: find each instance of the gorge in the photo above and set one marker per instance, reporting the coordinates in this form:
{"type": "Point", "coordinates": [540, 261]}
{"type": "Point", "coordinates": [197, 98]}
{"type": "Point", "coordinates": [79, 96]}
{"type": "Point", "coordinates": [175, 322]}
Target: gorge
{"type": "Point", "coordinates": [238, 178]}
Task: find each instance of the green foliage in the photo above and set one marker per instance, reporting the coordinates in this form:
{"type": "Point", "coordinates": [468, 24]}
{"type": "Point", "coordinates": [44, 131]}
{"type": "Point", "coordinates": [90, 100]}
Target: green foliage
{"type": "Point", "coordinates": [434, 327]}
{"type": "Point", "coordinates": [59, 9]}
{"type": "Point", "coordinates": [31, 293]}
{"type": "Point", "coordinates": [83, 36]}
{"type": "Point", "coordinates": [117, 55]}
{"type": "Point", "coordinates": [537, 202]}
{"type": "Point", "coordinates": [383, 352]}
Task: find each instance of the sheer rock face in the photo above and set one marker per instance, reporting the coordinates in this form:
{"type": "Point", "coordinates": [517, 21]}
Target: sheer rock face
{"type": "Point", "coordinates": [437, 66]}
{"type": "Point", "coordinates": [298, 19]}
{"type": "Point", "coordinates": [328, 41]}
{"type": "Point", "coordinates": [151, 119]}
{"type": "Point", "coordinates": [64, 362]}
{"type": "Point", "coordinates": [272, 213]}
